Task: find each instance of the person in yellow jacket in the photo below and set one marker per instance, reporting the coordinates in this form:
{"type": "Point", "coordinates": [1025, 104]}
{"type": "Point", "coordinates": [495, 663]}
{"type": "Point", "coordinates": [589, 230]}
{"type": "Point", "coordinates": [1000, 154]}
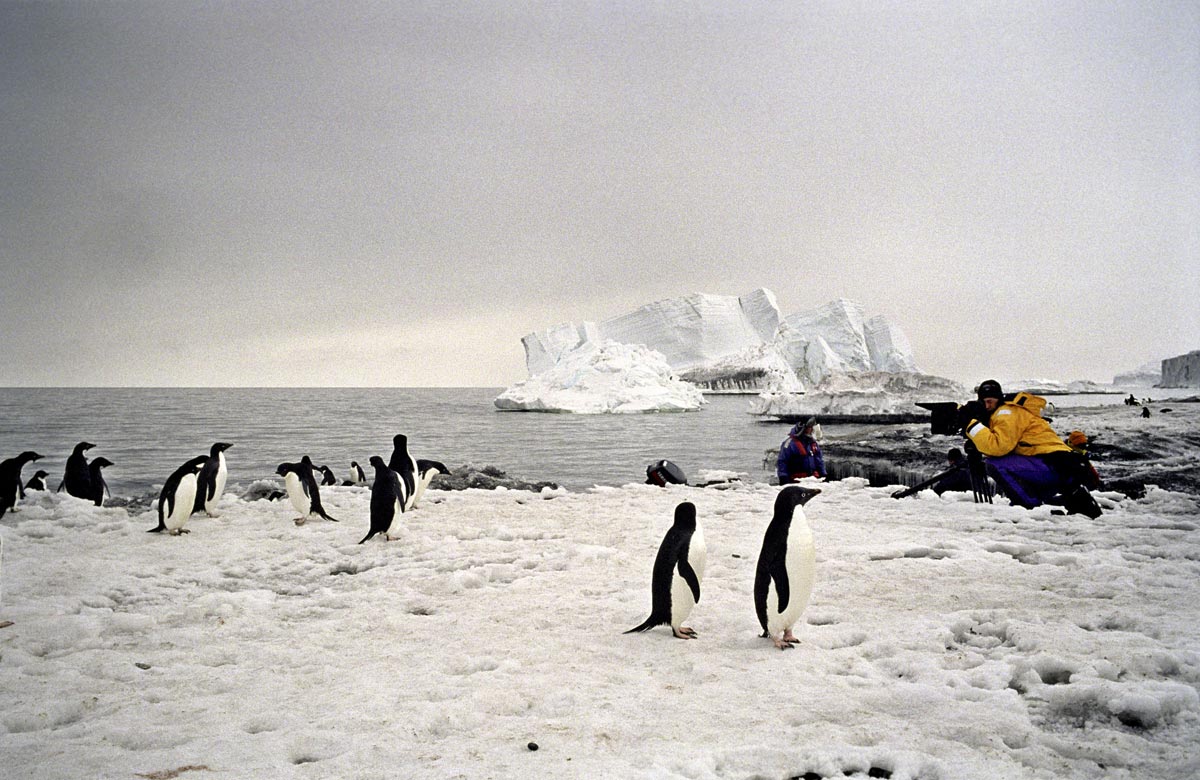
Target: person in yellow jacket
{"type": "Point", "coordinates": [1029, 462]}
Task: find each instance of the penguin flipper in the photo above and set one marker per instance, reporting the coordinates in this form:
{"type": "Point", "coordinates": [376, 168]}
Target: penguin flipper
{"type": "Point", "coordinates": [783, 589]}
{"type": "Point", "coordinates": [689, 576]}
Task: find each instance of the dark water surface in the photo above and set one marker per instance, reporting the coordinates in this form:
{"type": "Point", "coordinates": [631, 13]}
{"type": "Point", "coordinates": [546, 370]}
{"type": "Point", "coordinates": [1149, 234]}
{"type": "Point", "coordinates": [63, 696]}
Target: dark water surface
{"type": "Point", "coordinates": [148, 432]}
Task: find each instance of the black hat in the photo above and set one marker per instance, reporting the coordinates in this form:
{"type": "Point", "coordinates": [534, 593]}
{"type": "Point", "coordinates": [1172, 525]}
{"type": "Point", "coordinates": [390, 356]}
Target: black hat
{"type": "Point", "coordinates": [989, 388]}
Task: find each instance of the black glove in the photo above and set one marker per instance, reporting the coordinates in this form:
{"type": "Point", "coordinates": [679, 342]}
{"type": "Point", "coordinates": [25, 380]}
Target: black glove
{"type": "Point", "coordinates": [972, 410]}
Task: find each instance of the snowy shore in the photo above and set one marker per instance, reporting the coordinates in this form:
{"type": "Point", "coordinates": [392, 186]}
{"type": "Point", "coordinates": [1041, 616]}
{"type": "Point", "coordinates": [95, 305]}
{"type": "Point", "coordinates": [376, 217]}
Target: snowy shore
{"type": "Point", "coordinates": [944, 640]}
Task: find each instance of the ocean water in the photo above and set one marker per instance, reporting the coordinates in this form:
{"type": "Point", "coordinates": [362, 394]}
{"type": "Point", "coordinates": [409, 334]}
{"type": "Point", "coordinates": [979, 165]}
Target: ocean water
{"type": "Point", "coordinates": [148, 432]}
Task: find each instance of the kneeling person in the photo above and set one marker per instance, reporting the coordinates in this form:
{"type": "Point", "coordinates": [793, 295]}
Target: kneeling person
{"type": "Point", "coordinates": [1030, 463]}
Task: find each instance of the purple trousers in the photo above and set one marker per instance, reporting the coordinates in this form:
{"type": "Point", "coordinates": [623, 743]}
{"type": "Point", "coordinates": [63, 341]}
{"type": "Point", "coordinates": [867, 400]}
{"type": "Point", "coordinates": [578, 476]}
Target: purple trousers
{"type": "Point", "coordinates": [1027, 480]}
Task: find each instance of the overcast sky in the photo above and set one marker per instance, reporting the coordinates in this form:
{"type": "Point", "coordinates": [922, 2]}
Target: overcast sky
{"type": "Point", "coordinates": [394, 193]}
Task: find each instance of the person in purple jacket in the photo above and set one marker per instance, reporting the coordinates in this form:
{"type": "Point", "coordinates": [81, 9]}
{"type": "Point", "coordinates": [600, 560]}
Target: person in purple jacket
{"type": "Point", "coordinates": [800, 454]}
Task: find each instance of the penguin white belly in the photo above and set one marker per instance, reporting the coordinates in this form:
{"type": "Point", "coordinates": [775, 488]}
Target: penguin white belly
{"type": "Point", "coordinates": [218, 482]}
{"type": "Point", "coordinates": [185, 499]}
{"type": "Point", "coordinates": [800, 562]}
{"type": "Point", "coordinates": [394, 527]}
{"type": "Point", "coordinates": [422, 483]}
{"type": "Point", "coordinates": [295, 491]}
{"type": "Point", "coordinates": [682, 600]}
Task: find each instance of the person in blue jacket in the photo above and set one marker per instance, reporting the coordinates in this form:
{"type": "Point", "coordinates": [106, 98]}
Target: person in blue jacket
{"type": "Point", "coordinates": [800, 454]}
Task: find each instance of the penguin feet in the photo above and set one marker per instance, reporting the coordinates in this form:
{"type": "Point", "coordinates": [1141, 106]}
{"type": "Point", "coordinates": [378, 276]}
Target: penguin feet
{"type": "Point", "coordinates": [683, 632]}
{"type": "Point", "coordinates": [790, 638]}
{"type": "Point", "coordinates": [782, 644]}
{"type": "Point", "coordinates": [179, 531]}
{"type": "Point", "coordinates": [300, 520]}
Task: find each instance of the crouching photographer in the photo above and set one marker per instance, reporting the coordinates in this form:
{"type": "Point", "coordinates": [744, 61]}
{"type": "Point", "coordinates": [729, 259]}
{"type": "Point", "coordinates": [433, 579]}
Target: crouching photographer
{"type": "Point", "coordinates": [1030, 464]}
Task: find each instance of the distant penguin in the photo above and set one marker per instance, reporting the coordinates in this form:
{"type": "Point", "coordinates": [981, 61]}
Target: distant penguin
{"type": "Point", "coordinates": [357, 477]}
{"type": "Point", "coordinates": [387, 501]}
{"type": "Point", "coordinates": [426, 471]}
{"type": "Point", "coordinates": [678, 570]}
{"type": "Point", "coordinates": [76, 477]}
{"type": "Point", "coordinates": [177, 500]}
{"type": "Point", "coordinates": [783, 579]}
{"type": "Point", "coordinates": [96, 483]}
{"type": "Point", "coordinates": [327, 477]}
{"type": "Point", "coordinates": [302, 489]}
{"type": "Point", "coordinates": [10, 480]}
{"type": "Point", "coordinates": [38, 481]}
{"type": "Point", "coordinates": [403, 464]}
{"type": "Point", "coordinates": [210, 483]}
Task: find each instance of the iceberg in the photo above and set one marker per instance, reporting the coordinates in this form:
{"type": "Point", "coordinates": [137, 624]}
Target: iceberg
{"type": "Point", "coordinates": [1147, 375]}
{"type": "Point", "coordinates": [604, 377]}
{"type": "Point", "coordinates": [723, 343]}
{"type": "Point", "coordinates": [1182, 371]}
{"type": "Point", "coordinates": [862, 395]}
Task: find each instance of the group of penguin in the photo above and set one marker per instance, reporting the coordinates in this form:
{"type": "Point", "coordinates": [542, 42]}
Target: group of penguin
{"type": "Point", "coordinates": [397, 487]}
{"type": "Point", "coordinates": [783, 578]}
{"type": "Point", "coordinates": [81, 478]}
{"type": "Point", "coordinates": [197, 485]}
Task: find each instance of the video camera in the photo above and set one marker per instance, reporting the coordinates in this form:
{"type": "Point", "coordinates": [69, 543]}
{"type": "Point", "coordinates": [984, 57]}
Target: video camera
{"type": "Point", "coordinates": [943, 420]}
{"type": "Point", "coordinates": [943, 417]}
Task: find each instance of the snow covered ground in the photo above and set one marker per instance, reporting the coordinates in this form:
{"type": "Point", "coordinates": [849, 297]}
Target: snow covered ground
{"type": "Point", "coordinates": [944, 640]}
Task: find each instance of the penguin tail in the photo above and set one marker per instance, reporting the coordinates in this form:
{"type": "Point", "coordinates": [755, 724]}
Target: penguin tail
{"type": "Point", "coordinates": [157, 529]}
{"type": "Point", "coordinates": [368, 536]}
{"type": "Point", "coordinates": [327, 517]}
{"type": "Point", "coordinates": [650, 623]}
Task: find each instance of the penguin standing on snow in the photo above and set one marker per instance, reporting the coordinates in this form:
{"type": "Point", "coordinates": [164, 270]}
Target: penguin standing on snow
{"type": "Point", "coordinates": [10, 480]}
{"type": "Point", "coordinates": [96, 483]}
{"type": "Point", "coordinates": [177, 500]}
{"type": "Point", "coordinates": [302, 489]}
{"type": "Point", "coordinates": [76, 477]}
{"type": "Point", "coordinates": [426, 471]}
{"type": "Point", "coordinates": [403, 464]}
{"type": "Point", "coordinates": [387, 501]}
{"type": "Point", "coordinates": [357, 477]}
{"type": "Point", "coordinates": [210, 483]}
{"type": "Point", "coordinates": [678, 570]}
{"type": "Point", "coordinates": [37, 481]}
{"type": "Point", "coordinates": [783, 579]}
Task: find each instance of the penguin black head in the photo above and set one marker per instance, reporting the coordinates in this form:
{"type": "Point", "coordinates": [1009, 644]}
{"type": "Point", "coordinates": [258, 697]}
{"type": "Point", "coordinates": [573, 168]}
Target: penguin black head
{"type": "Point", "coordinates": [218, 448]}
{"type": "Point", "coordinates": [101, 462]}
{"type": "Point", "coordinates": [39, 474]}
{"type": "Point", "coordinates": [284, 468]}
{"type": "Point", "coordinates": [196, 463]}
{"type": "Point", "coordinates": [377, 462]}
{"type": "Point", "coordinates": [793, 496]}
{"type": "Point", "coordinates": [27, 456]}
{"type": "Point", "coordinates": [400, 441]}
{"type": "Point", "coordinates": [81, 446]}
{"type": "Point", "coordinates": [685, 516]}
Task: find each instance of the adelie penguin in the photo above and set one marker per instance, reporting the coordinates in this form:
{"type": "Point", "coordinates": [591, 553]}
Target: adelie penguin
{"type": "Point", "coordinates": [403, 464]}
{"type": "Point", "coordinates": [10, 480]}
{"type": "Point", "coordinates": [76, 477]}
{"type": "Point", "coordinates": [177, 500]}
{"type": "Point", "coordinates": [37, 481]}
{"type": "Point", "coordinates": [387, 501]}
{"type": "Point", "coordinates": [302, 489]}
{"type": "Point", "coordinates": [357, 477]}
{"type": "Point", "coordinates": [426, 471]}
{"type": "Point", "coordinates": [210, 482]}
{"type": "Point", "coordinates": [96, 485]}
{"type": "Point", "coordinates": [678, 570]}
{"type": "Point", "coordinates": [327, 477]}
{"type": "Point", "coordinates": [783, 579]}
